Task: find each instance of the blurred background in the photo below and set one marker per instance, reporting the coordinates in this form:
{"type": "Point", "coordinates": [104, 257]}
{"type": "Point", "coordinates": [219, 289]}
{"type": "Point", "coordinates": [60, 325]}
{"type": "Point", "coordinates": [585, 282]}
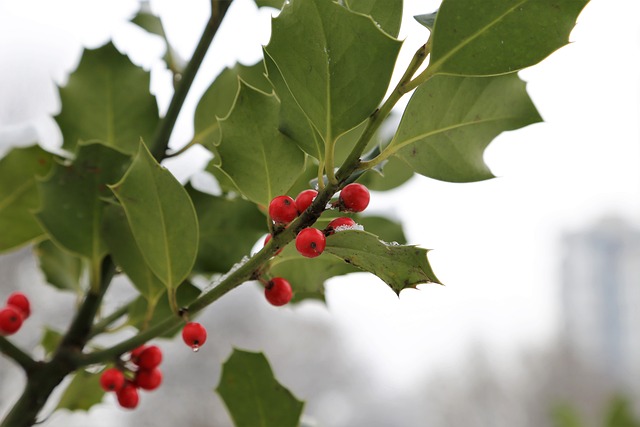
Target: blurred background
{"type": "Point", "coordinates": [537, 320]}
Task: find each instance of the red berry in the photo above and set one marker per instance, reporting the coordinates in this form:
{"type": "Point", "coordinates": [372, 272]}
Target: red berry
{"type": "Point", "coordinates": [344, 221]}
{"type": "Point", "coordinates": [354, 198]}
{"type": "Point", "coordinates": [266, 240]}
{"type": "Point", "coordinates": [136, 352]}
{"type": "Point", "coordinates": [10, 320]}
{"type": "Point", "coordinates": [149, 358]}
{"type": "Point", "coordinates": [148, 379]}
{"type": "Point", "coordinates": [278, 291]}
{"type": "Point", "coordinates": [304, 200]}
{"type": "Point", "coordinates": [128, 395]}
{"type": "Point", "coordinates": [282, 209]}
{"type": "Point", "coordinates": [310, 242]}
{"type": "Point", "coordinates": [112, 379]}
{"type": "Point", "coordinates": [194, 335]}
{"type": "Point", "coordinates": [21, 302]}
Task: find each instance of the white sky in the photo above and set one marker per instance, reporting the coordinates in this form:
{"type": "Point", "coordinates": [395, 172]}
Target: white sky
{"type": "Point", "coordinates": [495, 243]}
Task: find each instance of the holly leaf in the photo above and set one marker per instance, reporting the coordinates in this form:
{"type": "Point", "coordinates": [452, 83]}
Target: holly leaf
{"type": "Point", "coordinates": [122, 110]}
{"type": "Point", "coordinates": [150, 23]}
{"type": "Point", "coordinates": [50, 340]}
{"type": "Point", "coordinates": [391, 174]}
{"type": "Point", "coordinates": [428, 19]}
{"type": "Point", "coordinates": [386, 13]}
{"type": "Point", "coordinates": [252, 394]}
{"type": "Point", "coordinates": [320, 49]}
{"type": "Point", "coordinates": [127, 255]}
{"type": "Point", "coordinates": [261, 161]}
{"type": "Point", "coordinates": [82, 393]}
{"type": "Point", "coordinates": [161, 216]}
{"type": "Point", "coordinates": [384, 228]}
{"type": "Point", "coordinates": [490, 37]}
{"type": "Point", "coordinates": [19, 196]}
{"type": "Point", "coordinates": [450, 120]}
{"type": "Point", "coordinates": [276, 4]}
{"type": "Point", "coordinates": [307, 275]}
{"type": "Point", "coordinates": [61, 269]}
{"type": "Point", "coordinates": [292, 120]}
{"type": "Point", "coordinates": [71, 195]}
{"type": "Point", "coordinates": [144, 314]}
{"type": "Point", "coordinates": [228, 230]}
{"type": "Point", "coordinates": [399, 266]}
{"type": "Point", "coordinates": [218, 99]}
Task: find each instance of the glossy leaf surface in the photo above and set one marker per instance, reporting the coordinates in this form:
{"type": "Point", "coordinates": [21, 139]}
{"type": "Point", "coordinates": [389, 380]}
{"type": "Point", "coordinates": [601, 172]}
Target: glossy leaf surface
{"type": "Point", "coordinates": [19, 196]}
{"type": "Point", "coordinates": [107, 99]}
{"type": "Point", "coordinates": [161, 217]}
{"type": "Point", "coordinates": [398, 266]}
{"type": "Point", "coordinates": [228, 230]}
{"type": "Point", "coordinates": [320, 49]}
{"type": "Point", "coordinates": [218, 99]}
{"type": "Point", "coordinates": [127, 255]}
{"type": "Point", "coordinates": [261, 161]}
{"type": "Point", "coordinates": [450, 121]}
{"type": "Point", "coordinates": [82, 393]}
{"type": "Point", "coordinates": [253, 395]}
{"type": "Point", "coordinates": [307, 275]}
{"type": "Point", "coordinates": [72, 206]}
{"type": "Point", "coordinates": [62, 269]}
{"type": "Point", "coordinates": [489, 37]}
{"type": "Point", "coordinates": [386, 13]}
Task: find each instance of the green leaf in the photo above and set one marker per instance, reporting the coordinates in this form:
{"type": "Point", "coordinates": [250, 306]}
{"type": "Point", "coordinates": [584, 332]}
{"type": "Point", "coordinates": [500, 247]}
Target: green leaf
{"type": "Point", "coordinates": [428, 19]}
{"type": "Point", "coordinates": [218, 99]}
{"type": "Point", "coordinates": [50, 340]}
{"type": "Point", "coordinates": [261, 161]}
{"type": "Point", "coordinates": [161, 217]}
{"type": "Point", "coordinates": [61, 268]}
{"type": "Point", "coordinates": [144, 315]}
{"type": "Point", "coordinates": [126, 254]}
{"type": "Point", "coordinates": [292, 120]}
{"type": "Point", "coordinates": [19, 195]}
{"type": "Point", "coordinates": [400, 267]}
{"type": "Point", "coordinates": [253, 396]}
{"type": "Point", "coordinates": [450, 120]}
{"type": "Point", "coordinates": [225, 183]}
{"type": "Point", "coordinates": [384, 228]}
{"type": "Point", "coordinates": [490, 37]}
{"type": "Point", "coordinates": [387, 13]}
{"type": "Point", "coordinates": [150, 23]}
{"type": "Point", "coordinates": [307, 275]}
{"type": "Point", "coordinates": [72, 205]}
{"type": "Point", "coordinates": [393, 174]}
{"type": "Point", "coordinates": [107, 99]}
{"type": "Point", "coordinates": [276, 4]}
{"type": "Point", "coordinates": [322, 50]}
{"type": "Point", "coordinates": [228, 230]}
{"type": "Point", "coordinates": [83, 392]}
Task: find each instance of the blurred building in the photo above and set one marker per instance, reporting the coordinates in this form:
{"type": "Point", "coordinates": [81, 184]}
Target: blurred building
{"type": "Point", "coordinates": [601, 300]}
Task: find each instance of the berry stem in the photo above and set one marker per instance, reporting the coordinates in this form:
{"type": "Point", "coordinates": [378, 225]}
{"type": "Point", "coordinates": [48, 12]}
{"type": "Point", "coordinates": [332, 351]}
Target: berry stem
{"type": "Point", "coordinates": [17, 355]}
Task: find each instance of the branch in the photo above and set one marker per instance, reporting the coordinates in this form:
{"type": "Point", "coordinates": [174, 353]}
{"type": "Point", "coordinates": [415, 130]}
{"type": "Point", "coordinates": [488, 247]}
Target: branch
{"type": "Point", "coordinates": [17, 355]}
{"type": "Point", "coordinates": [103, 324]}
{"type": "Point", "coordinates": [80, 329]}
{"type": "Point", "coordinates": [165, 127]}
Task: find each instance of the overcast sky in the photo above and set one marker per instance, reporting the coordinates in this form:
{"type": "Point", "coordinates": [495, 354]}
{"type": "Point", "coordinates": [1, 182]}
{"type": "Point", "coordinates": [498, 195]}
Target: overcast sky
{"type": "Point", "coordinates": [496, 243]}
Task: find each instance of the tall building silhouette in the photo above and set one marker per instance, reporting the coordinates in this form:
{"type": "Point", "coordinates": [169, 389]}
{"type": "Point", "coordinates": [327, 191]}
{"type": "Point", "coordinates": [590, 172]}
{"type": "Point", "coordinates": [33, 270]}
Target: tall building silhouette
{"type": "Point", "coordinates": [601, 299]}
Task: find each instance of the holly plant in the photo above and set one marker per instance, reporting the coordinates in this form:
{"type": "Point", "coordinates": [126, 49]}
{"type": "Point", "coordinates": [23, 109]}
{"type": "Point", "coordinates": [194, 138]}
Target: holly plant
{"type": "Point", "coordinates": [297, 141]}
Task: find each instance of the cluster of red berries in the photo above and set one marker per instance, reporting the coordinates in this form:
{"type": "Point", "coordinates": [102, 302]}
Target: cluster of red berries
{"type": "Point", "coordinates": [142, 372]}
{"type": "Point", "coordinates": [310, 242]}
{"type": "Point", "coordinates": [14, 313]}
